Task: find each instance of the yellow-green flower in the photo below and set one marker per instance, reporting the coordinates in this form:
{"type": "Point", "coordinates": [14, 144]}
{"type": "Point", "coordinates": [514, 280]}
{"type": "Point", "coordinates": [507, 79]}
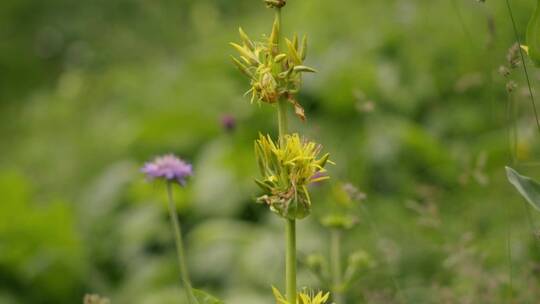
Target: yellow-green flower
{"type": "Point", "coordinates": [303, 297]}
{"type": "Point", "coordinates": [273, 75]}
{"type": "Point", "coordinates": [287, 169]}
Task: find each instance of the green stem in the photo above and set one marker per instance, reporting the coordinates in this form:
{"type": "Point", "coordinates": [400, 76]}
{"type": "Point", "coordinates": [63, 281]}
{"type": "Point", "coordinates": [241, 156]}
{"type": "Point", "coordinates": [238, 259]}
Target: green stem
{"type": "Point", "coordinates": [180, 247]}
{"type": "Point", "coordinates": [282, 120]}
{"type": "Point", "coordinates": [290, 255]}
{"type": "Point", "coordinates": [290, 269]}
{"type": "Point", "coordinates": [335, 262]}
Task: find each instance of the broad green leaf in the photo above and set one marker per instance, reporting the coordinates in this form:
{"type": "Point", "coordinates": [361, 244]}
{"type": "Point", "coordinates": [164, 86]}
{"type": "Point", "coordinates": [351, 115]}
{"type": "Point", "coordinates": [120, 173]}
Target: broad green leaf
{"type": "Point", "coordinates": [526, 186]}
{"type": "Point", "coordinates": [205, 298]}
{"type": "Point", "coordinates": [533, 35]}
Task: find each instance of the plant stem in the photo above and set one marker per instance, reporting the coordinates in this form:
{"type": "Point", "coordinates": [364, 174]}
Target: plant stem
{"type": "Point", "coordinates": [290, 255]}
{"type": "Point", "coordinates": [180, 247]}
{"type": "Point", "coordinates": [290, 269]}
{"type": "Point", "coordinates": [282, 120]}
{"type": "Point", "coordinates": [335, 262]}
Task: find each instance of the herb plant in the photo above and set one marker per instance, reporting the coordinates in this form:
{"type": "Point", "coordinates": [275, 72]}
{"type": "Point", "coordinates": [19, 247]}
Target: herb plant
{"type": "Point", "coordinates": [289, 164]}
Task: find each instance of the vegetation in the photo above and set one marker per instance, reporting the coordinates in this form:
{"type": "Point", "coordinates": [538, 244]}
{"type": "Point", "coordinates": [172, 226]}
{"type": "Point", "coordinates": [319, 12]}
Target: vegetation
{"type": "Point", "coordinates": [421, 105]}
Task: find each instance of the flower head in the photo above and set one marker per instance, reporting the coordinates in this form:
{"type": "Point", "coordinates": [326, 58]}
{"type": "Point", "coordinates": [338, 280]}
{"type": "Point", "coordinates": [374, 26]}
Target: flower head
{"type": "Point", "coordinates": [274, 75]}
{"type": "Point", "coordinates": [287, 169]}
{"type": "Point", "coordinates": [169, 168]}
{"type": "Point", "coordinates": [303, 297]}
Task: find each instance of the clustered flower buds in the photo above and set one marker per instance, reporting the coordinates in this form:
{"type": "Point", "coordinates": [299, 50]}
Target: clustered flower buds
{"type": "Point", "coordinates": [274, 75]}
{"type": "Point", "coordinates": [287, 169]}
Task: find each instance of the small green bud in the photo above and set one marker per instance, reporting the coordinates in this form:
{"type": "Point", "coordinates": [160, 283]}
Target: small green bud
{"type": "Point", "coordinates": [303, 68]}
{"type": "Point", "coordinates": [279, 58]}
{"type": "Point", "coordinates": [316, 263]}
{"type": "Point", "coordinates": [360, 258]}
{"type": "Point", "coordinates": [274, 36]}
{"type": "Point", "coordinates": [295, 41]}
{"type": "Point", "coordinates": [337, 221]}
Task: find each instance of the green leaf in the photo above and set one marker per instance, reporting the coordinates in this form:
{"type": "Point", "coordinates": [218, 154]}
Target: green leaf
{"type": "Point", "coordinates": [533, 35]}
{"type": "Point", "coordinates": [205, 298]}
{"type": "Point", "coordinates": [526, 186]}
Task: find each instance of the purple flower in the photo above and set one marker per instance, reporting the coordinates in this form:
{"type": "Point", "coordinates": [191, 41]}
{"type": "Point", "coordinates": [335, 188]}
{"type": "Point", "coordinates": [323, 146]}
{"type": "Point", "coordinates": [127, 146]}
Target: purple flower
{"type": "Point", "coordinates": [228, 122]}
{"type": "Point", "coordinates": [169, 168]}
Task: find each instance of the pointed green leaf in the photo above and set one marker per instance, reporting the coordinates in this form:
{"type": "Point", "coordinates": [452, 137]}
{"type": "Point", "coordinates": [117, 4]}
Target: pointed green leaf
{"type": "Point", "coordinates": [242, 67]}
{"type": "Point", "coordinates": [295, 41]}
{"type": "Point", "coordinates": [274, 36]}
{"type": "Point", "coordinates": [303, 51]}
{"type": "Point", "coordinates": [526, 186]}
{"type": "Point", "coordinates": [263, 186]}
{"type": "Point", "coordinates": [245, 52]}
{"type": "Point", "coordinates": [292, 52]}
{"type": "Point", "coordinates": [533, 35]}
{"type": "Point", "coordinates": [245, 39]}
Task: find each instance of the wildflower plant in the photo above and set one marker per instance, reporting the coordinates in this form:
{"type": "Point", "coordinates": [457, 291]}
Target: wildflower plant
{"type": "Point", "coordinates": [290, 163]}
{"type": "Point", "coordinates": [175, 171]}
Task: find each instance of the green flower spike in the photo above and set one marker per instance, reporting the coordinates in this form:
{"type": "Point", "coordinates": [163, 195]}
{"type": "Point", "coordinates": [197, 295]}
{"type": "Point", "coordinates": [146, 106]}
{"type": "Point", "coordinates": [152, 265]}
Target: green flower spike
{"type": "Point", "coordinates": [287, 169]}
{"type": "Point", "coordinates": [273, 75]}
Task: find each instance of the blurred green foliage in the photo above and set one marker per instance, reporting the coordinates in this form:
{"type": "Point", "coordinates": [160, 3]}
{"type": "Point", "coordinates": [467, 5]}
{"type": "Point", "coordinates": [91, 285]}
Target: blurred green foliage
{"type": "Point", "coordinates": [407, 100]}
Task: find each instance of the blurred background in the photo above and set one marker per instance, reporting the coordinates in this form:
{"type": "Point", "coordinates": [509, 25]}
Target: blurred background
{"type": "Point", "coordinates": [408, 100]}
